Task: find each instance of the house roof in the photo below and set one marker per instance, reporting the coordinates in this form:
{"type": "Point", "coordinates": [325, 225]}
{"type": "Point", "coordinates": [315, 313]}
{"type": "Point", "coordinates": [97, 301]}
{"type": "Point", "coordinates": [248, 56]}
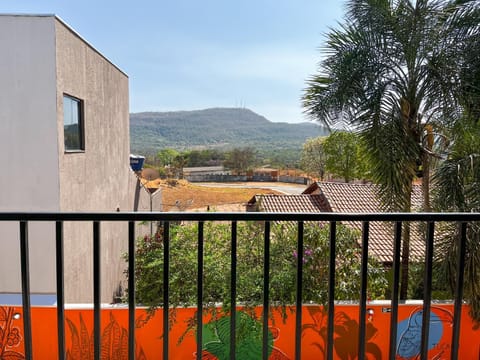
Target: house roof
{"type": "Point", "coordinates": [355, 198]}
{"type": "Point", "coordinates": [286, 203]}
{"type": "Point", "coordinates": [347, 198]}
{"type": "Point", "coordinates": [362, 198]}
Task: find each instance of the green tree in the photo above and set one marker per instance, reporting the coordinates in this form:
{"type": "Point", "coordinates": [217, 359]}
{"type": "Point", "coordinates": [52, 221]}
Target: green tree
{"type": "Point", "coordinates": [166, 156]}
{"type": "Point", "coordinates": [388, 72]}
{"type": "Point", "coordinates": [341, 149]}
{"type": "Point", "coordinates": [457, 179]}
{"type": "Point", "coordinates": [458, 189]}
{"type": "Point", "coordinates": [206, 157]}
{"type": "Point", "coordinates": [313, 157]}
{"type": "Point", "coordinates": [240, 159]}
{"type": "Point", "coordinates": [178, 163]}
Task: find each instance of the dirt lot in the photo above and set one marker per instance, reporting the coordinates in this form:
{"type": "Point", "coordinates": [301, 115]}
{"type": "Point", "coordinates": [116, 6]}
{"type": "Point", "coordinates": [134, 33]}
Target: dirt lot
{"type": "Point", "coordinates": [180, 195]}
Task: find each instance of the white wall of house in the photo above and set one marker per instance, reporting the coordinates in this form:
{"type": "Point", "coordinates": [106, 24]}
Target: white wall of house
{"type": "Point", "coordinates": [29, 179]}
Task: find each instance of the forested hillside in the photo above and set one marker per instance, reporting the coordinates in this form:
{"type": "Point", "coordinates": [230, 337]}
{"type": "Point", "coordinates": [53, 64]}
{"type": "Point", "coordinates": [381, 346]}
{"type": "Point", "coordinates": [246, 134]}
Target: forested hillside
{"type": "Point", "coordinates": [223, 128]}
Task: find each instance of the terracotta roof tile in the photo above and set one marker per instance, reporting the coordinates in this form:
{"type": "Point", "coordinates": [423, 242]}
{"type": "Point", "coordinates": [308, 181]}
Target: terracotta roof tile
{"type": "Point", "coordinates": [287, 203]}
{"type": "Point", "coordinates": [348, 198]}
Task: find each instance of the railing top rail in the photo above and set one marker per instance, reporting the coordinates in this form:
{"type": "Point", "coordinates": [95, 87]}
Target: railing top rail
{"type": "Point", "coordinates": [233, 216]}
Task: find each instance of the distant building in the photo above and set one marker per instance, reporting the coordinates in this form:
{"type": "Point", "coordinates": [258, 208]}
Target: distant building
{"type": "Point", "coordinates": [205, 170]}
{"type": "Point", "coordinates": [206, 173]}
{"type": "Point", "coordinates": [64, 126]}
{"type": "Point", "coordinates": [263, 174]}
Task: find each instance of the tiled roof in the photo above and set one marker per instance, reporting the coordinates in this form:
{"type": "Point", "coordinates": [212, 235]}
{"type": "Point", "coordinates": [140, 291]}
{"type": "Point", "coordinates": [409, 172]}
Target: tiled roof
{"type": "Point", "coordinates": [286, 203]}
{"type": "Point", "coordinates": [361, 198]}
{"type": "Point", "coordinates": [356, 198]}
{"type": "Point", "coordinates": [347, 198]}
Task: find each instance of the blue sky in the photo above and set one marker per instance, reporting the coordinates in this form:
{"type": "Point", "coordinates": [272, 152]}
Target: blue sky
{"type": "Point", "coordinates": [190, 54]}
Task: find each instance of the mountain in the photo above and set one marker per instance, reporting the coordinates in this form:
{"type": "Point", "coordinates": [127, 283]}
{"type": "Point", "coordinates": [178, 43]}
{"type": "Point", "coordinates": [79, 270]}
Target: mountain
{"type": "Point", "coordinates": [217, 127]}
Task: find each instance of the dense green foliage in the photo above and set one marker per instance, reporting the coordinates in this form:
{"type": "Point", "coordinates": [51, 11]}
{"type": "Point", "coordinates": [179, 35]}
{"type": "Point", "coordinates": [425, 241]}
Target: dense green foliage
{"type": "Point", "coordinates": [341, 148]}
{"type": "Point", "coordinates": [313, 157]}
{"type": "Point", "coordinates": [250, 253]}
{"type": "Point", "coordinates": [240, 160]}
{"type": "Point", "coordinates": [280, 158]}
{"type": "Point", "coordinates": [339, 155]}
{"type": "Point", "coordinates": [457, 188]}
{"type": "Point", "coordinates": [398, 72]}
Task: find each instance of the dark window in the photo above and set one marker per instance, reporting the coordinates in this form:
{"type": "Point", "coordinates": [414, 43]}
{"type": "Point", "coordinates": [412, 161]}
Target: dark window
{"type": "Point", "coordinates": [73, 124]}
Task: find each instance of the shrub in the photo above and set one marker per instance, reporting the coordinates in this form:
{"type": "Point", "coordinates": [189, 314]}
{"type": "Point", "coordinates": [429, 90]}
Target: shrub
{"type": "Point", "coordinates": [250, 259]}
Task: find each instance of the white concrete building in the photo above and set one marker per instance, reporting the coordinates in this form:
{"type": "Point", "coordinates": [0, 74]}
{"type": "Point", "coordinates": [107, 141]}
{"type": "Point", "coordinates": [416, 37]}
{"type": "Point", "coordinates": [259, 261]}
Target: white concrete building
{"type": "Point", "coordinates": [64, 130]}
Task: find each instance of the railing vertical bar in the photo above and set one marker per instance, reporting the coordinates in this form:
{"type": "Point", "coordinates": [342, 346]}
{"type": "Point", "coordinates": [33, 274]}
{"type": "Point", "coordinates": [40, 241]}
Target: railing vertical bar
{"type": "Point", "coordinates": [457, 314]}
{"type": "Point", "coordinates": [331, 289]}
{"type": "Point", "coordinates": [131, 290]}
{"type": "Point", "coordinates": [166, 276]}
{"type": "Point", "coordinates": [60, 289]}
{"type": "Point", "coordinates": [266, 289]}
{"type": "Point", "coordinates": [395, 290]}
{"type": "Point", "coordinates": [25, 273]}
{"type": "Point", "coordinates": [200, 290]}
{"type": "Point", "coordinates": [363, 291]}
{"type": "Point", "coordinates": [298, 322]}
{"type": "Point", "coordinates": [427, 291]}
{"type": "Point", "coordinates": [233, 291]}
{"type": "Point", "coordinates": [96, 291]}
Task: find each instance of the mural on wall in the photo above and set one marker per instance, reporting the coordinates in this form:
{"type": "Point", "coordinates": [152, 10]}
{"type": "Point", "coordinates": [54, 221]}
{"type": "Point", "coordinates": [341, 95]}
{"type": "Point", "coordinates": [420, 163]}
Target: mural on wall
{"type": "Point", "coordinates": [11, 340]}
{"type": "Point", "coordinates": [249, 338]}
{"type": "Point", "coordinates": [410, 334]}
{"type": "Point", "coordinates": [249, 334]}
{"type": "Point", "coordinates": [346, 332]}
{"type": "Point", "coordinates": [114, 342]}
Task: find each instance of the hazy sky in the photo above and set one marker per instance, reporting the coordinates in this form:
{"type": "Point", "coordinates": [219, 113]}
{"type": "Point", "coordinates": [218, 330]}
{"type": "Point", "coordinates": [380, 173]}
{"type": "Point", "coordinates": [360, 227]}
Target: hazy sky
{"type": "Point", "coordinates": [192, 54]}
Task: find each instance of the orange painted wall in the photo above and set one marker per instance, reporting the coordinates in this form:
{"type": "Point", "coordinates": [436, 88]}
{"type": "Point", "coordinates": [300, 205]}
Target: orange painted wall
{"type": "Point", "coordinates": [79, 333]}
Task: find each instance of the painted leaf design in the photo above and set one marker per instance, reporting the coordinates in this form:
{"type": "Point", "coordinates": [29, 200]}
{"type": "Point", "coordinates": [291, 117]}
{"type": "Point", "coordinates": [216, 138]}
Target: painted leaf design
{"type": "Point", "coordinates": [124, 344]}
{"type": "Point", "coordinates": [106, 342]}
{"type": "Point", "coordinates": [114, 344]}
{"type": "Point", "coordinates": [74, 353]}
{"type": "Point", "coordinates": [217, 349]}
{"type": "Point", "coordinates": [12, 355]}
{"type": "Point", "coordinates": [317, 315]}
{"type": "Point", "coordinates": [86, 346]}
{"type": "Point", "coordinates": [223, 329]}
{"type": "Point", "coordinates": [141, 355]}
{"type": "Point", "coordinates": [374, 350]}
{"type": "Point", "coordinates": [249, 337]}
{"type": "Point", "coordinates": [278, 355]}
{"type": "Point", "coordinates": [116, 339]}
{"type": "Point", "coordinates": [3, 314]}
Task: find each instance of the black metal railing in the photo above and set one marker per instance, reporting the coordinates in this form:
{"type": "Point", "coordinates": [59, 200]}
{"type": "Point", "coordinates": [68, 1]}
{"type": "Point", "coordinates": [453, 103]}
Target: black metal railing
{"type": "Point", "coordinates": [430, 219]}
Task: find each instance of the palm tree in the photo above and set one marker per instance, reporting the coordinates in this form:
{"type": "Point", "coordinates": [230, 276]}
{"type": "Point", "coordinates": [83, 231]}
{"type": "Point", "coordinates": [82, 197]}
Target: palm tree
{"type": "Point", "coordinates": [389, 73]}
{"type": "Point", "coordinates": [457, 188]}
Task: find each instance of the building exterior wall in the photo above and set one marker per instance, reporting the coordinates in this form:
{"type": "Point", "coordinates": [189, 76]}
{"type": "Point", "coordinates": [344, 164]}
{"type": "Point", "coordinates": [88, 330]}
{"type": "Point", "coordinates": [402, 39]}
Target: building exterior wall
{"type": "Point", "coordinates": [29, 178]}
{"type": "Point", "coordinates": [98, 178]}
{"type": "Point", "coordinates": [43, 59]}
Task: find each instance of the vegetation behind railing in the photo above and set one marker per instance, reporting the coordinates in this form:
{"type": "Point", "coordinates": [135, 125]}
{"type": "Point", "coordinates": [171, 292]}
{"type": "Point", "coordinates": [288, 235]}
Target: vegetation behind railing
{"type": "Point", "coordinates": [250, 253]}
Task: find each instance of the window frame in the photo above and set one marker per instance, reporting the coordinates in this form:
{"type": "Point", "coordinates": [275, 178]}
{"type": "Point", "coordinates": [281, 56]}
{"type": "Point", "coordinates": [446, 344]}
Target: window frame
{"type": "Point", "coordinates": [81, 124]}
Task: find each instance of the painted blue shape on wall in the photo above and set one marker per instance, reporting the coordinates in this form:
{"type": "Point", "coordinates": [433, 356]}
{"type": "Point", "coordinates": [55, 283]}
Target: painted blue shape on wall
{"type": "Point", "coordinates": [409, 334]}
